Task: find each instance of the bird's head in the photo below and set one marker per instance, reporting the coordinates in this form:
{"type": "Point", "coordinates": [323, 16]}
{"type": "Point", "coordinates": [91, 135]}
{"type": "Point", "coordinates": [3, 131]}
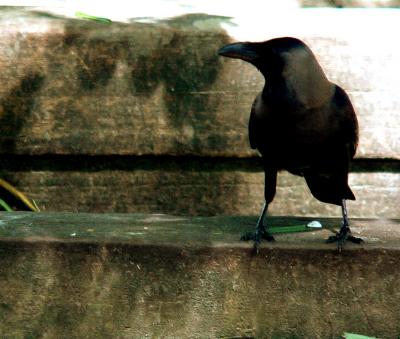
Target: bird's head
{"type": "Point", "coordinates": [268, 56]}
{"type": "Point", "coordinates": [287, 61]}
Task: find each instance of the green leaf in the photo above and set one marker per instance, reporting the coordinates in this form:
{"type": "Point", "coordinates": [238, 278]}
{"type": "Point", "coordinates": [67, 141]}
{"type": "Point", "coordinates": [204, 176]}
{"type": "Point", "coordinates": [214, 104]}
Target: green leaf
{"type": "Point", "coordinates": [91, 17]}
{"type": "Point", "coordinates": [291, 229]}
{"type": "Point", "coordinates": [5, 206]}
{"type": "Point", "coordinates": [356, 336]}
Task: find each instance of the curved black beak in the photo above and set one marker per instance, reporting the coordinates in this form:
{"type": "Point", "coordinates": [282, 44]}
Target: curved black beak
{"type": "Point", "coordinates": [240, 50]}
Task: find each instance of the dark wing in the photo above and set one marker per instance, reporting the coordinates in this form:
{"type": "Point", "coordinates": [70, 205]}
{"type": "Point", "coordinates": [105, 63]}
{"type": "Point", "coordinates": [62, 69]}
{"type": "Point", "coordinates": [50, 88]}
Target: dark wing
{"type": "Point", "coordinates": [253, 132]}
{"type": "Point", "coordinates": [258, 133]}
{"type": "Point", "coordinates": [255, 125]}
{"type": "Point", "coordinates": [331, 186]}
{"type": "Point", "coordinates": [348, 121]}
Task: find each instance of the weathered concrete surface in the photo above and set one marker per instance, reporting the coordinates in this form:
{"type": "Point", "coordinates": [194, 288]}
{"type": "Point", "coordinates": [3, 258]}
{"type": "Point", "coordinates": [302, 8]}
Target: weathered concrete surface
{"type": "Point", "coordinates": [73, 87]}
{"type": "Point", "coordinates": [200, 189]}
{"type": "Point", "coordinates": [137, 276]}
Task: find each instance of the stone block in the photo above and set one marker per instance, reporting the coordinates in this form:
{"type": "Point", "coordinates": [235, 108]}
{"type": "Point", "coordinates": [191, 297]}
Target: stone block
{"type": "Point", "coordinates": [73, 87]}
{"type": "Point", "coordinates": [198, 188]}
{"type": "Point", "coordinates": [137, 276]}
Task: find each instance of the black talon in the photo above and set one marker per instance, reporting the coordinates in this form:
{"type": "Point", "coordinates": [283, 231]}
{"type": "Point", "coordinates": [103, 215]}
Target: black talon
{"type": "Point", "coordinates": [253, 236]}
{"type": "Point", "coordinates": [342, 237]}
{"type": "Point", "coordinates": [260, 232]}
{"type": "Point", "coordinates": [345, 233]}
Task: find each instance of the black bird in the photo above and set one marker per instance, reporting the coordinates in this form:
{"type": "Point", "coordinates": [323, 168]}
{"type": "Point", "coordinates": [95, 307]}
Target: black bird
{"type": "Point", "coordinates": [300, 122]}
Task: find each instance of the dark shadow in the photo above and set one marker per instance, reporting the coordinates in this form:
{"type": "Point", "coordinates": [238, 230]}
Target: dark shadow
{"type": "Point", "coordinates": [95, 57]}
{"type": "Point", "coordinates": [95, 163]}
{"type": "Point", "coordinates": [15, 110]}
{"type": "Point", "coordinates": [187, 66]}
{"type": "Point", "coordinates": [145, 73]}
{"type": "Point", "coordinates": [96, 63]}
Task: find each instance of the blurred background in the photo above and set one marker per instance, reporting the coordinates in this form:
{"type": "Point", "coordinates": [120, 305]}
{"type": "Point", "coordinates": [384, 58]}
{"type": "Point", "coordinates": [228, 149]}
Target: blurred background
{"type": "Point", "coordinates": [139, 114]}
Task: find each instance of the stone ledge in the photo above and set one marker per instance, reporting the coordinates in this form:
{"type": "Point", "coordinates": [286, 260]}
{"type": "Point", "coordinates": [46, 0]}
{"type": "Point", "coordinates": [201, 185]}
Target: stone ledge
{"type": "Point", "coordinates": [137, 276]}
{"type": "Point", "coordinates": [200, 188]}
{"type": "Point", "coordinates": [182, 231]}
{"type": "Point", "coordinates": [73, 87]}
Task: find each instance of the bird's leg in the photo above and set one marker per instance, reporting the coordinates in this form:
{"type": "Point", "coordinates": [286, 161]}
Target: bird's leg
{"type": "Point", "coordinates": [260, 231]}
{"type": "Point", "coordinates": [345, 233]}
{"type": "Point", "coordinates": [269, 192]}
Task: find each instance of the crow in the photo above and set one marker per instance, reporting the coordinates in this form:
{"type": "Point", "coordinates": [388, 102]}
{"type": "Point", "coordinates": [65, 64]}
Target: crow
{"type": "Point", "coordinates": [302, 123]}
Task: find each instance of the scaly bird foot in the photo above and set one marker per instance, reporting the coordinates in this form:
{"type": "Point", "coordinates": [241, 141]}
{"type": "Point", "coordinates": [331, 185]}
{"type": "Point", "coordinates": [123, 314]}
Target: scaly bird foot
{"type": "Point", "coordinates": [253, 236]}
{"type": "Point", "coordinates": [341, 237]}
{"type": "Point", "coordinates": [259, 234]}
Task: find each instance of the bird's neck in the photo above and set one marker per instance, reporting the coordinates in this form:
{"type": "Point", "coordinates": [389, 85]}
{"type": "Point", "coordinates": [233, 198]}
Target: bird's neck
{"type": "Point", "coordinates": [301, 82]}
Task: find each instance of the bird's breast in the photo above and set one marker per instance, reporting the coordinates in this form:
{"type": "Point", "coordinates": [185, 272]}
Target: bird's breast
{"type": "Point", "coordinates": [294, 147]}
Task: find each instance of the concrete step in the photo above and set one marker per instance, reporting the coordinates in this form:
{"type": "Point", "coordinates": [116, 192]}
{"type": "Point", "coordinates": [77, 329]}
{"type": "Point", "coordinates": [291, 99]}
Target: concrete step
{"type": "Point", "coordinates": [76, 87]}
{"type": "Point", "coordinates": [66, 275]}
{"type": "Point", "coordinates": [77, 90]}
{"type": "Point", "coordinates": [193, 187]}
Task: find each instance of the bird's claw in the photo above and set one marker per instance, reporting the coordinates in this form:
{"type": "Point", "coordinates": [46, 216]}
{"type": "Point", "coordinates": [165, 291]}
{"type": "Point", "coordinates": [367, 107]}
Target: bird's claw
{"type": "Point", "coordinates": [257, 236]}
{"type": "Point", "coordinates": [341, 237]}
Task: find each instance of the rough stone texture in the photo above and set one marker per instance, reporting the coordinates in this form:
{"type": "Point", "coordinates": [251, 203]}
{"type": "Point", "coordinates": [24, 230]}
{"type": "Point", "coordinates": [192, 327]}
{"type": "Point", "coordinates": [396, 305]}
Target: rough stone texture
{"type": "Point", "coordinates": [127, 276]}
{"type": "Point", "coordinates": [73, 87]}
{"type": "Point", "coordinates": [201, 191]}
{"type": "Point", "coordinates": [87, 88]}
